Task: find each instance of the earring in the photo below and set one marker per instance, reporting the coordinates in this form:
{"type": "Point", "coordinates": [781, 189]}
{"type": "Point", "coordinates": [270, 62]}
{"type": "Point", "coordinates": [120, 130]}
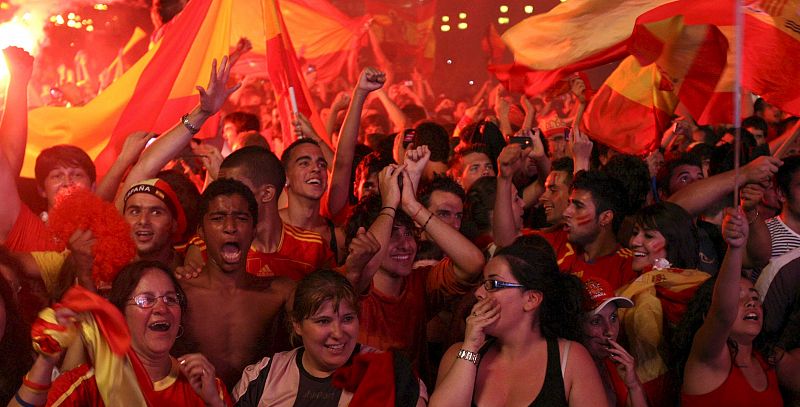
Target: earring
{"type": "Point", "coordinates": [180, 331]}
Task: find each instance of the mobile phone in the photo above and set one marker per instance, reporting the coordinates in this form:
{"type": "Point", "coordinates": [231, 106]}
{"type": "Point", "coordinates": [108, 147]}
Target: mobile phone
{"type": "Point", "coordinates": [408, 137]}
{"type": "Point", "coordinates": [523, 140]}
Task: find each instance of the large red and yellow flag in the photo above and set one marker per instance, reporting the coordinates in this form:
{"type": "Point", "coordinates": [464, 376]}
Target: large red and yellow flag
{"type": "Point", "coordinates": [771, 41]}
{"type": "Point", "coordinates": [576, 31]}
{"type": "Point", "coordinates": [285, 74]}
{"type": "Point", "coordinates": [404, 29]}
{"type": "Point", "coordinates": [158, 89]}
{"type": "Point", "coordinates": [670, 62]}
{"type": "Point", "coordinates": [572, 37]}
{"type": "Point", "coordinates": [771, 48]}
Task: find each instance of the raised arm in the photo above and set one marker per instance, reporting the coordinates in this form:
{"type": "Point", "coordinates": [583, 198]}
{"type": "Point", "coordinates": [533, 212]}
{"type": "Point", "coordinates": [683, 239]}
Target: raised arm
{"type": "Point", "coordinates": [131, 149]}
{"type": "Point", "coordinates": [13, 136]}
{"type": "Point", "coordinates": [304, 128]}
{"type": "Point", "coordinates": [467, 258]}
{"type": "Point", "coordinates": [359, 266]}
{"type": "Point", "coordinates": [699, 195]}
{"type": "Point", "coordinates": [173, 141]}
{"type": "Point", "coordinates": [396, 116]}
{"type": "Point", "coordinates": [381, 228]}
{"type": "Point", "coordinates": [504, 227]}
{"type": "Point", "coordinates": [340, 103]}
{"type": "Point", "coordinates": [339, 185]}
{"type": "Point", "coordinates": [14, 126]}
{"type": "Point", "coordinates": [537, 153]}
{"type": "Point", "coordinates": [759, 244]}
{"type": "Point", "coordinates": [709, 346]}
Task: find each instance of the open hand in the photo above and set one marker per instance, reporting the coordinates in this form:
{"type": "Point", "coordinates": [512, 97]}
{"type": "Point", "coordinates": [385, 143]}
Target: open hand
{"type": "Point", "coordinates": [212, 99]}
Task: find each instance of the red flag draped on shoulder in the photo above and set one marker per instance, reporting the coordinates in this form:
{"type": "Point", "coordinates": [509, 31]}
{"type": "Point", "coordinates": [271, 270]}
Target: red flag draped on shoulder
{"type": "Point", "coordinates": [670, 62]}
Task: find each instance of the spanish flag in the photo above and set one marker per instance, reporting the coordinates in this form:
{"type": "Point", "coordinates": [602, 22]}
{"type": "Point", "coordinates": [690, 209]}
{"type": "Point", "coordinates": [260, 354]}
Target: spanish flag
{"type": "Point", "coordinates": [670, 62]}
{"type": "Point", "coordinates": [576, 31]}
{"type": "Point", "coordinates": [771, 47]}
{"type": "Point", "coordinates": [158, 89]}
{"type": "Point", "coordinates": [771, 44]}
{"type": "Point", "coordinates": [285, 74]}
{"type": "Point", "coordinates": [405, 31]}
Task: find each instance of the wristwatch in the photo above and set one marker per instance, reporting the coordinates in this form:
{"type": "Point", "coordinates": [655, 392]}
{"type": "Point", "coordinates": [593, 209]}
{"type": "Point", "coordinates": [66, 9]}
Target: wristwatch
{"type": "Point", "coordinates": [185, 120]}
{"type": "Point", "coordinates": [471, 357]}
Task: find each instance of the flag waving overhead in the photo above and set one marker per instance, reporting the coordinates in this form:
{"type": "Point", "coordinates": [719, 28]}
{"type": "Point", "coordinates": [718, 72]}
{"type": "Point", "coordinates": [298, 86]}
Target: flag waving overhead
{"type": "Point", "coordinates": [152, 95]}
{"type": "Point", "coordinates": [158, 89]}
{"type": "Point", "coordinates": [772, 44]}
{"type": "Point", "coordinates": [285, 75]}
{"type": "Point", "coordinates": [671, 62]}
{"type": "Point", "coordinates": [575, 31]}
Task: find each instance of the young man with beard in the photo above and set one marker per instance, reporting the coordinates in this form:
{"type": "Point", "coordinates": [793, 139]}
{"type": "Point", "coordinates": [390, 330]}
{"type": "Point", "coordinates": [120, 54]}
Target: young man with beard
{"type": "Point", "coordinates": [157, 220]}
{"type": "Point", "coordinates": [591, 221]}
{"type": "Point", "coordinates": [233, 316]}
{"type": "Point", "coordinates": [399, 300]}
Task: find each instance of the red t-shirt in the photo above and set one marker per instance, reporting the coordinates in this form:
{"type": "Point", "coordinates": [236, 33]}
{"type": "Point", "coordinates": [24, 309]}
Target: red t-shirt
{"type": "Point", "coordinates": [299, 253]}
{"type": "Point", "coordinates": [736, 391]}
{"type": "Point", "coordinates": [398, 323]}
{"type": "Point", "coordinates": [616, 268]}
{"type": "Point", "coordinates": [30, 234]}
{"type": "Point", "coordinates": [78, 387]}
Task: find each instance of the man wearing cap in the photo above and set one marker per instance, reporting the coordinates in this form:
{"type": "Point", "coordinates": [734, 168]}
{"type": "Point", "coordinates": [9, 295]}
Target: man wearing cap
{"type": "Point", "coordinates": [601, 328]}
{"type": "Point", "coordinates": [157, 220]}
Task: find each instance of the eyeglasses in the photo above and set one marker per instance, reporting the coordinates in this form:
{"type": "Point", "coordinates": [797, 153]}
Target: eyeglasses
{"type": "Point", "coordinates": [494, 285]}
{"type": "Point", "coordinates": [149, 301]}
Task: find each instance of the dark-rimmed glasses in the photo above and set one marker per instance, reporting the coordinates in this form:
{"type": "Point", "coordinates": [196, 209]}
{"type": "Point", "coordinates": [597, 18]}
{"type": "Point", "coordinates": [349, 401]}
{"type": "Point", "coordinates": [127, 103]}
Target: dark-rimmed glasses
{"type": "Point", "coordinates": [494, 285]}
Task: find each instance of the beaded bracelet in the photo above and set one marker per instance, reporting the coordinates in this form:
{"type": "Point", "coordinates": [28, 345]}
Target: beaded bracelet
{"type": "Point", "coordinates": [427, 221]}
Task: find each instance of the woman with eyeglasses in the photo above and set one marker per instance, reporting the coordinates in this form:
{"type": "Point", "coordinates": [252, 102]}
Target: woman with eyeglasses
{"type": "Point", "coordinates": [519, 348]}
{"type": "Point", "coordinates": [152, 304]}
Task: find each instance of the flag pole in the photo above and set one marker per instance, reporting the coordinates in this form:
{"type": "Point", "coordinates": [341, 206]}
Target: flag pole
{"type": "Point", "coordinates": [737, 98]}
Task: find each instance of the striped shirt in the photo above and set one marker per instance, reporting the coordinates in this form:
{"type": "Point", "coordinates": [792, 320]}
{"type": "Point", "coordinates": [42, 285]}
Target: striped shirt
{"type": "Point", "coordinates": [782, 237]}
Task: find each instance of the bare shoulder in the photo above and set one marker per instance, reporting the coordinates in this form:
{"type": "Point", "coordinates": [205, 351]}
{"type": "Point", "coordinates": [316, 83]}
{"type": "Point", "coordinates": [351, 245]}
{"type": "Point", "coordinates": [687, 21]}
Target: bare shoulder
{"type": "Point", "coordinates": [576, 354]}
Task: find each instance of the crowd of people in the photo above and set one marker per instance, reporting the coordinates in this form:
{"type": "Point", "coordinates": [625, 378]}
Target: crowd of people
{"type": "Point", "coordinates": [425, 251]}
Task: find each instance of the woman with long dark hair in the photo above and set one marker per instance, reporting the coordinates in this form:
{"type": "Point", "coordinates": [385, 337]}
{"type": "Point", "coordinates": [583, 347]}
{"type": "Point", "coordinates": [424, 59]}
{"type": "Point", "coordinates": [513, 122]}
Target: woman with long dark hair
{"type": "Point", "coordinates": [723, 365]}
{"type": "Point", "coordinates": [519, 346]}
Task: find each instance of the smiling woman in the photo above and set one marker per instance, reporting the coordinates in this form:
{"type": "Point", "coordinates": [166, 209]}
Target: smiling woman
{"type": "Point", "coordinates": [152, 304]}
{"type": "Point", "coordinates": [325, 319]}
